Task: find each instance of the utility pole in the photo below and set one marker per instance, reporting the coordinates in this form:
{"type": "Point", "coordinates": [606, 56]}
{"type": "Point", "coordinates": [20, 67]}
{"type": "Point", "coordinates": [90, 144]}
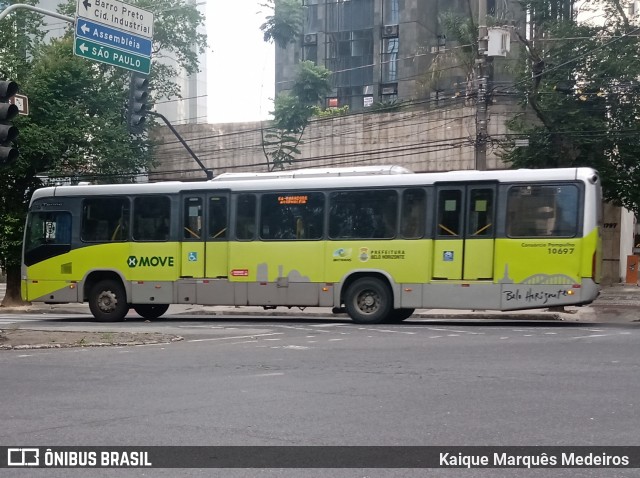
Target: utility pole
{"type": "Point", "coordinates": [481, 101]}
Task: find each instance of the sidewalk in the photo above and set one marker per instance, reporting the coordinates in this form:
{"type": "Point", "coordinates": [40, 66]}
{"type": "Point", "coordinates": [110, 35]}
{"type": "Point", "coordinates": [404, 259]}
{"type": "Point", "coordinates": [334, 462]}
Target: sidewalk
{"type": "Point", "coordinates": [619, 303]}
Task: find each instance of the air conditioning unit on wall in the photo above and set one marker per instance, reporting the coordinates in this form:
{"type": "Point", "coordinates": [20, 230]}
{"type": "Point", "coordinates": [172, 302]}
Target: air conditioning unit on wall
{"type": "Point", "coordinates": [390, 31]}
{"type": "Point", "coordinates": [310, 39]}
{"type": "Point", "coordinates": [499, 41]}
{"type": "Point", "coordinates": [389, 89]}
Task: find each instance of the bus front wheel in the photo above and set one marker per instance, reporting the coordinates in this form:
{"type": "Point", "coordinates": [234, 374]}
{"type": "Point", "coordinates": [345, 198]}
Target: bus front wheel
{"type": "Point", "coordinates": [368, 301]}
{"type": "Point", "coordinates": [150, 311]}
{"type": "Point", "coordinates": [108, 301]}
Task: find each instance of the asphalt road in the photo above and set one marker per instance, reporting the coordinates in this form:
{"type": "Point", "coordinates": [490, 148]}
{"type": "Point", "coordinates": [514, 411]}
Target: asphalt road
{"type": "Point", "coordinates": [324, 381]}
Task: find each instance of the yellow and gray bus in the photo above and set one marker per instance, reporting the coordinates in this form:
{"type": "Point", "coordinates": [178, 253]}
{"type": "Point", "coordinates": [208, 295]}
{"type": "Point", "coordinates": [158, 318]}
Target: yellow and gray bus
{"type": "Point", "coordinates": [378, 242]}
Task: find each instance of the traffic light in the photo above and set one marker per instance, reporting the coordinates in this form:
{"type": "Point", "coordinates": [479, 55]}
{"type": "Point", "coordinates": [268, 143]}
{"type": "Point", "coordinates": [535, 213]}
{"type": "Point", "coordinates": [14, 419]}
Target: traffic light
{"type": "Point", "coordinates": [138, 97]}
{"type": "Point", "coordinates": [8, 132]}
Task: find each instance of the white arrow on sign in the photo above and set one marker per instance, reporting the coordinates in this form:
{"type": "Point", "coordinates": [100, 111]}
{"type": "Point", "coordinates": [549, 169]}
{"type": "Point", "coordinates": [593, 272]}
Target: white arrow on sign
{"type": "Point", "coordinates": [83, 48]}
{"type": "Point", "coordinates": [84, 28]}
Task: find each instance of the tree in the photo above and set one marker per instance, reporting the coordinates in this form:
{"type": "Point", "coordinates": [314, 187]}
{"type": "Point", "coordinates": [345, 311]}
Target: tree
{"type": "Point", "coordinates": [579, 84]}
{"type": "Point", "coordinates": [292, 112]}
{"type": "Point", "coordinates": [292, 109]}
{"type": "Point", "coordinates": [76, 128]}
{"type": "Point", "coordinates": [462, 32]}
{"type": "Point", "coordinates": [284, 24]}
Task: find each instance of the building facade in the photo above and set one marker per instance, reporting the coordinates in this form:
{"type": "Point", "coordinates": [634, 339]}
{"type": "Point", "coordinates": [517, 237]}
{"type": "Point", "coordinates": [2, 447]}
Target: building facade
{"type": "Point", "coordinates": [384, 51]}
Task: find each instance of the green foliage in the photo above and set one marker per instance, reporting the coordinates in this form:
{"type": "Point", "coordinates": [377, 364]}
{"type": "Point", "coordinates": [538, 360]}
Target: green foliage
{"type": "Point", "coordinates": [390, 105]}
{"type": "Point", "coordinates": [284, 24]}
{"type": "Point", "coordinates": [16, 49]}
{"type": "Point", "coordinates": [460, 54]}
{"type": "Point", "coordinates": [75, 127]}
{"type": "Point", "coordinates": [329, 112]}
{"type": "Point", "coordinates": [292, 112]}
{"type": "Point", "coordinates": [312, 83]}
{"type": "Point", "coordinates": [580, 99]}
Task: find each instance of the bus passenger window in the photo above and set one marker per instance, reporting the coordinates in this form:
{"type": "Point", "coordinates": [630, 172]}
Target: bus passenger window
{"type": "Point", "coordinates": [413, 213]}
{"type": "Point", "coordinates": [480, 222]}
{"type": "Point", "coordinates": [192, 228]}
{"type": "Point", "coordinates": [217, 218]}
{"type": "Point", "coordinates": [291, 216]}
{"type": "Point", "coordinates": [151, 218]}
{"type": "Point", "coordinates": [246, 217]}
{"type": "Point", "coordinates": [449, 212]}
{"type": "Point", "coordinates": [105, 219]}
{"type": "Point", "coordinates": [363, 214]}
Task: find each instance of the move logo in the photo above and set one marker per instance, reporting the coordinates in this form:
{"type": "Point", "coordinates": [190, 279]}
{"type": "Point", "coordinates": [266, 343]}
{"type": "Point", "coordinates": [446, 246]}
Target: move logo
{"type": "Point", "coordinates": [150, 261]}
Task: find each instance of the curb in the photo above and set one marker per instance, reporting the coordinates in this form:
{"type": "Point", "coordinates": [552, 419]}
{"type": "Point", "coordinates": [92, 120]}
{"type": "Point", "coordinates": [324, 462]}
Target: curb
{"type": "Point", "coordinates": [494, 315]}
{"type": "Point", "coordinates": [89, 344]}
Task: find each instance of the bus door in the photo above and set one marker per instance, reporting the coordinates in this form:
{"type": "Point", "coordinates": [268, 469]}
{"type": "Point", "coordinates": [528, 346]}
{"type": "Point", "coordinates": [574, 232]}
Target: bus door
{"type": "Point", "coordinates": [465, 232]}
{"type": "Point", "coordinates": [192, 250]}
{"type": "Point", "coordinates": [217, 236]}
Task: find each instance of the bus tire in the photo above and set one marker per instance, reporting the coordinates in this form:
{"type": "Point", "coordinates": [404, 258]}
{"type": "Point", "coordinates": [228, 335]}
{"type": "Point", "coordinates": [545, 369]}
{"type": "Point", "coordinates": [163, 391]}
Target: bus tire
{"type": "Point", "coordinates": [398, 315]}
{"type": "Point", "coordinates": [108, 301]}
{"type": "Point", "coordinates": [150, 311]}
{"type": "Point", "coordinates": [368, 301]}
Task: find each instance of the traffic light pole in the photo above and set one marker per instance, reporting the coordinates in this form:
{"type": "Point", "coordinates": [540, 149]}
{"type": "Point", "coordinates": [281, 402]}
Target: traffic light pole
{"type": "Point", "coordinates": [15, 6]}
{"type": "Point", "coordinates": [8, 132]}
{"type": "Point", "coordinates": [208, 172]}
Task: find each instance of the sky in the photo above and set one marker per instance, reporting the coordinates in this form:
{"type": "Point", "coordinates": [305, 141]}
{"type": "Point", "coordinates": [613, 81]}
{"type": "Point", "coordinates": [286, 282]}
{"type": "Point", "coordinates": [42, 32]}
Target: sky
{"type": "Point", "coordinates": [240, 65]}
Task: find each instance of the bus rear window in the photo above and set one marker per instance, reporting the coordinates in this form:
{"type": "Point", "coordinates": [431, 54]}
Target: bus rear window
{"type": "Point", "coordinates": [543, 211]}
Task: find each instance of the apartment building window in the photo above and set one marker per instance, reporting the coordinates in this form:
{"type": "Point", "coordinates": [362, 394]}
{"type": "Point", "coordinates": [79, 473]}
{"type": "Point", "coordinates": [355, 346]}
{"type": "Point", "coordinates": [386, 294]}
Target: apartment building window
{"type": "Point", "coordinates": [345, 15]}
{"type": "Point", "coordinates": [390, 12]}
{"type": "Point", "coordinates": [349, 55]}
{"type": "Point", "coordinates": [389, 60]}
{"type": "Point", "coordinates": [311, 18]}
{"type": "Point", "coordinates": [310, 53]}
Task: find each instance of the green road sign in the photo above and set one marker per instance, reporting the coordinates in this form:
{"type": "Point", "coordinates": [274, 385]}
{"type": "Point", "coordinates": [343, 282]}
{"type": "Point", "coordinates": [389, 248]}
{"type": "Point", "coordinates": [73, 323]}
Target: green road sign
{"type": "Point", "coordinates": [112, 56]}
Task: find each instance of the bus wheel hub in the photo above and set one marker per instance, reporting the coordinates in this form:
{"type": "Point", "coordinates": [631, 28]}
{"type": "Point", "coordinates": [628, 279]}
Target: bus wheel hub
{"type": "Point", "coordinates": [367, 302]}
{"type": "Point", "coordinates": [107, 301]}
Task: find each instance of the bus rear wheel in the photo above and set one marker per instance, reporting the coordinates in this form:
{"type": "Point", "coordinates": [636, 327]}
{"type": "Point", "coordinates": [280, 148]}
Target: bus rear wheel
{"type": "Point", "coordinates": [150, 311]}
{"type": "Point", "coordinates": [108, 301]}
{"type": "Point", "coordinates": [368, 301]}
{"type": "Point", "coordinates": [398, 315]}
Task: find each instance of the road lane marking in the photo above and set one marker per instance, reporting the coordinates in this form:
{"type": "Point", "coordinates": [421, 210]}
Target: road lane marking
{"type": "Point", "coordinates": [236, 337]}
{"type": "Point", "coordinates": [595, 335]}
{"type": "Point", "coordinates": [387, 331]}
{"type": "Point", "coordinates": [456, 331]}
